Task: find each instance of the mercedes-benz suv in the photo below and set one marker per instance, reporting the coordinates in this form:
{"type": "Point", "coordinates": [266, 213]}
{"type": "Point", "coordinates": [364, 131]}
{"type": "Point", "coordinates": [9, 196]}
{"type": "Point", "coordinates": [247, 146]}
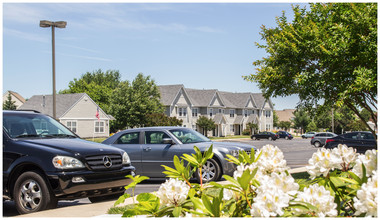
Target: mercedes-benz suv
{"type": "Point", "coordinates": [43, 162]}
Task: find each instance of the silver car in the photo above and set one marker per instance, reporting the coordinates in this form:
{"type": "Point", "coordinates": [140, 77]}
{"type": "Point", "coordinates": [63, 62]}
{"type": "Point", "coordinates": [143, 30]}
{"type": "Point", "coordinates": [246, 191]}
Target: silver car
{"type": "Point", "coordinates": [151, 147]}
{"type": "Point", "coordinates": [319, 139]}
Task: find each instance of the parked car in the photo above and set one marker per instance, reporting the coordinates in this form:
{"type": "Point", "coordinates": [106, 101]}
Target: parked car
{"type": "Point", "coordinates": [308, 135]}
{"type": "Point", "coordinates": [319, 139]}
{"type": "Point", "coordinates": [44, 162]}
{"type": "Point", "coordinates": [151, 147]}
{"type": "Point", "coordinates": [284, 134]}
{"type": "Point", "coordinates": [360, 140]}
{"type": "Point", "coordinates": [264, 135]}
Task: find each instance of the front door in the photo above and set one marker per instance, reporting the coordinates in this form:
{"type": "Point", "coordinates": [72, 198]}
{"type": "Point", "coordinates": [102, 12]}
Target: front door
{"type": "Point", "coordinates": [155, 153]}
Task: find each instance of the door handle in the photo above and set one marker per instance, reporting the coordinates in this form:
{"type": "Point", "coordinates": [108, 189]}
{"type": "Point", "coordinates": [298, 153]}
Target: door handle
{"type": "Point", "coordinates": [147, 149]}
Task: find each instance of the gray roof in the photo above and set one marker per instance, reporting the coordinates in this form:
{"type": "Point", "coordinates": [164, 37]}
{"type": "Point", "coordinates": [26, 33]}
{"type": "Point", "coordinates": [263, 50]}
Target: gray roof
{"type": "Point", "coordinates": [235, 100]}
{"type": "Point", "coordinates": [219, 119]}
{"type": "Point", "coordinates": [44, 103]}
{"type": "Point", "coordinates": [169, 93]}
{"type": "Point", "coordinates": [238, 120]}
{"type": "Point", "coordinates": [203, 97]}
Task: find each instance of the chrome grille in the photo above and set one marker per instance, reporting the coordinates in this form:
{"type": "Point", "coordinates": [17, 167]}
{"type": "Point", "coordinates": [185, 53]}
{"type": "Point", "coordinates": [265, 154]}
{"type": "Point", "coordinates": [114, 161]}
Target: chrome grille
{"type": "Point", "coordinates": [98, 162]}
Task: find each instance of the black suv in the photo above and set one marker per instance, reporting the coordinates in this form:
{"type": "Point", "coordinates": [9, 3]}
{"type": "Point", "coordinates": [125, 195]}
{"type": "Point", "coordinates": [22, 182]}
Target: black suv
{"type": "Point", "coordinates": [44, 162]}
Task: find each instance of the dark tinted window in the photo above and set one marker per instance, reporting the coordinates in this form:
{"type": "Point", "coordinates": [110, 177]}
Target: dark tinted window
{"type": "Point", "coordinates": [351, 135]}
{"type": "Point", "coordinates": [129, 138]}
{"type": "Point", "coordinates": [367, 136]}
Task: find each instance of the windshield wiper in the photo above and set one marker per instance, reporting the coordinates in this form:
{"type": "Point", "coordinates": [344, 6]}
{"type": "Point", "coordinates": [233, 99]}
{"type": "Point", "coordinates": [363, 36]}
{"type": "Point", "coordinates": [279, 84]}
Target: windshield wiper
{"type": "Point", "coordinates": [60, 135]}
{"type": "Point", "coordinates": [26, 135]}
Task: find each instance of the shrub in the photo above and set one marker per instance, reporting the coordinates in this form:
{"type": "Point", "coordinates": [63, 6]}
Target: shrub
{"type": "Point", "coordinates": [342, 183]}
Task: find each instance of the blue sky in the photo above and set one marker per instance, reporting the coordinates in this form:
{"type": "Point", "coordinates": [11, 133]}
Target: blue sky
{"type": "Point", "coordinates": [199, 45]}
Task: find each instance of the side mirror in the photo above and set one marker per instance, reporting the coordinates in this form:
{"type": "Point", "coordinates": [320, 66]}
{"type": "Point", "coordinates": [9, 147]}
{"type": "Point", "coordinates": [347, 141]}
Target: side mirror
{"type": "Point", "coordinates": [167, 141]}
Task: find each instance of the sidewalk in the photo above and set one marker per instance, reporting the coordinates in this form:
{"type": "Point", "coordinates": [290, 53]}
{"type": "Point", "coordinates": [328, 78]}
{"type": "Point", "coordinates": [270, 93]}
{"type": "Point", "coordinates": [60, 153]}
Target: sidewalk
{"type": "Point", "coordinates": [95, 209]}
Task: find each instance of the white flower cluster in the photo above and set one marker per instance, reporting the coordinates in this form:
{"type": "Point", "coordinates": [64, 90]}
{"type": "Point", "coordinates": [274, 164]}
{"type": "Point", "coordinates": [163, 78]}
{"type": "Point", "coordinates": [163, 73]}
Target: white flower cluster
{"type": "Point", "coordinates": [369, 159]}
{"type": "Point", "coordinates": [322, 162]}
{"type": "Point", "coordinates": [271, 160]}
{"type": "Point", "coordinates": [366, 200]}
{"type": "Point", "coordinates": [319, 197]}
{"type": "Point", "coordinates": [347, 154]}
{"type": "Point", "coordinates": [273, 194]}
{"type": "Point", "coordinates": [173, 192]}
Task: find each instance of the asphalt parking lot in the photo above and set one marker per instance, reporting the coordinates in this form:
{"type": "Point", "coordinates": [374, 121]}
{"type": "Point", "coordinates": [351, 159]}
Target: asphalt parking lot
{"type": "Point", "coordinates": [297, 152]}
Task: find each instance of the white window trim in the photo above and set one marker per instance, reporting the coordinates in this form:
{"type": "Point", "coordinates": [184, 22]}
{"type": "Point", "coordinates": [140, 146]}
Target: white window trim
{"type": "Point", "coordinates": [76, 127]}
{"type": "Point", "coordinates": [104, 127]}
{"type": "Point", "coordinates": [232, 113]}
{"type": "Point", "coordinates": [194, 112]}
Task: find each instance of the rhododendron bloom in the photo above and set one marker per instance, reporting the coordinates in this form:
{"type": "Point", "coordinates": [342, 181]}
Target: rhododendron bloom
{"type": "Point", "coordinates": [348, 155]}
{"type": "Point", "coordinates": [366, 198]}
{"type": "Point", "coordinates": [319, 197]}
{"type": "Point", "coordinates": [322, 162]}
{"type": "Point", "coordinates": [271, 159]}
{"type": "Point", "coordinates": [173, 192]}
{"type": "Point", "coordinates": [369, 159]}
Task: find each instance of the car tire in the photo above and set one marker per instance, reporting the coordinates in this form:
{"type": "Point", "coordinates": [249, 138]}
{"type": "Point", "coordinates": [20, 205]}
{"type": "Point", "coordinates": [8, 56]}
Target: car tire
{"type": "Point", "coordinates": [32, 194]}
{"type": "Point", "coordinates": [270, 138]}
{"type": "Point", "coordinates": [105, 198]}
{"type": "Point", "coordinates": [253, 138]}
{"type": "Point", "coordinates": [286, 138]}
{"type": "Point", "coordinates": [210, 171]}
{"type": "Point", "coordinates": [317, 144]}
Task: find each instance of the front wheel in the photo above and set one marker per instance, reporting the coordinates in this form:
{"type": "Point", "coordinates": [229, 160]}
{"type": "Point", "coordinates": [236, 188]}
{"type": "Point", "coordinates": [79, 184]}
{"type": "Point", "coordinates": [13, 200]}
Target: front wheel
{"type": "Point", "coordinates": [270, 138]}
{"type": "Point", "coordinates": [317, 144]}
{"type": "Point", "coordinates": [210, 171]}
{"type": "Point", "coordinates": [32, 194]}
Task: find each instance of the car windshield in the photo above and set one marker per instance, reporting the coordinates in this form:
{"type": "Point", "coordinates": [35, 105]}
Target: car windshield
{"type": "Point", "coordinates": [187, 136]}
{"type": "Point", "coordinates": [30, 125]}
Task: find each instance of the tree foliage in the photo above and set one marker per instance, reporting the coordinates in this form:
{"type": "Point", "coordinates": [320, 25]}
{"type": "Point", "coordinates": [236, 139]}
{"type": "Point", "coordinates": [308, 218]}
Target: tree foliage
{"type": "Point", "coordinates": [99, 85]}
{"type": "Point", "coordinates": [301, 119]}
{"type": "Point", "coordinates": [132, 102]}
{"type": "Point", "coordinates": [327, 53]}
{"type": "Point", "coordinates": [9, 104]}
{"type": "Point", "coordinates": [160, 119]}
{"type": "Point", "coordinates": [285, 125]}
{"type": "Point", "coordinates": [207, 124]}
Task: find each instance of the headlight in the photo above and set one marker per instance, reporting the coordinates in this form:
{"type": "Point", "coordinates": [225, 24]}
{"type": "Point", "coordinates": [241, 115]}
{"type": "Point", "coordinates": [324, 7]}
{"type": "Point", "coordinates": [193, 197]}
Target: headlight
{"type": "Point", "coordinates": [64, 162]}
{"type": "Point", "coordinates": [235, 153]}
{"type": "Point", "coordinates": [126, 159]}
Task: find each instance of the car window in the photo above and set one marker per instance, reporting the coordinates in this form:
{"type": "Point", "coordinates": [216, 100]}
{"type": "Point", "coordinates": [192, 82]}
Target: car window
{"type": "Point", "coordinates": [330, 135]}
{"type": "Point", "coordinates": [155, 137]}
{"type": "Point", "coordinates": [367, 136]}
{"type": "Point", "coordinates": [188, 136]}
{"type": "Point", "coordinates": [129, 138]}
{"type": "Point", "coordinates": [351, 135]}
{"type": "Point", "coordinates": [26, 126]}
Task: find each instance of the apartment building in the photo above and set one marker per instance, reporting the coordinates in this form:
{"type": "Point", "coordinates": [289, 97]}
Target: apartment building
{"type": "Point", "coordinates": [230, 111]}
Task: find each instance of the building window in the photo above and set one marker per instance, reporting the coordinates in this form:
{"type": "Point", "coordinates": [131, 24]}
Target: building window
{"type": "Point", "coordinates": [267, 114]}
{"type": "Point", "coordinates": [99, 127]}
{"type": "Point", "coordinates": [245, 113]}
{"type": "Point", "coordinates": [232, 113]}
{"type": "Point", "coordinates": [232, 128]}
{"type": "Point", "coordinates": [210, 111]}
{"type": "Point", "coordinates": [194, 112]}
{"type": "Point", "coordinates": [182, 112]}
{"type": "Point", "coordinates": [267, 127]}
{"type": "Point", "coordinates": [72, 125]}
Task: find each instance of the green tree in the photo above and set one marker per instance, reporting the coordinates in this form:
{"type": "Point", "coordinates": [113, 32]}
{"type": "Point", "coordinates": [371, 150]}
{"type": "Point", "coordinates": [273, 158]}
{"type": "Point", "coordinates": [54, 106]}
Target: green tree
{"type": "Point", "coordinates": [328, 53]}
{"type": "Point", "coordinates": [132, 102]}
{"type": "Point", "coordinates": [311, 126]}
{"type": "Point", "coordinates": [160, 119]}
{"type": "Point", "coordinates": [285, 125]}
{"type": "Point", "coordinates": [9, 104]}
{"type": "Point", "coordinates": [207, 124]}
{"type": "Point", "coordinates": [301, 119]}
{"type": "Point", "coordinates": [276, 120]}
{"type": "Point", "coordinates": [100, 86]}
{"type": "Point", "coordinates": [253, 128]}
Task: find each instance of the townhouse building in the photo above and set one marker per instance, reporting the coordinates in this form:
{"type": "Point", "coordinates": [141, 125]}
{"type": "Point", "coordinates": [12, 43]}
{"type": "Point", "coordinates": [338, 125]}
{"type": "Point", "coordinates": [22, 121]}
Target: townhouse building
{"type": "Point", "coordinates": [231, 112]}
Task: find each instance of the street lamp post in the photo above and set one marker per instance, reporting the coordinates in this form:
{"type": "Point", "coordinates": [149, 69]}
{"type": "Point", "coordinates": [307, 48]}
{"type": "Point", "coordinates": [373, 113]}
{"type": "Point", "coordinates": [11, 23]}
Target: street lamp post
{"type": "Point", "coordinates": [53, 25]}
